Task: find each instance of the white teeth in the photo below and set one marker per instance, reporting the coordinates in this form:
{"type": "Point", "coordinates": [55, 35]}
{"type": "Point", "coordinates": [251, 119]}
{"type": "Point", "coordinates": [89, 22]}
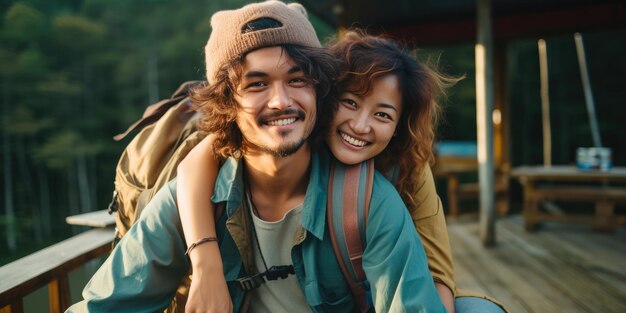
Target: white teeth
{"type": "Point", "coordinates": [353, 141]}
{"type": "Point", "coordinates": [282, 122]}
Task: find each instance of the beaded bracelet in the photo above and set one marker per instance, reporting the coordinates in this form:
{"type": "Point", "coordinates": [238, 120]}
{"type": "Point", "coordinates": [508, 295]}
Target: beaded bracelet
{"type": "Point", "coordinates": [199, 242]}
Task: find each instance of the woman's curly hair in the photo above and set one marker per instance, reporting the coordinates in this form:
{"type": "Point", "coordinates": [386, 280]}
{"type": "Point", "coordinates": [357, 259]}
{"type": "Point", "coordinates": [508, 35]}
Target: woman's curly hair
{"type": "Point", "coordinates": [216, 101]}
{"type": "Point", "coordinates": [364, 58]}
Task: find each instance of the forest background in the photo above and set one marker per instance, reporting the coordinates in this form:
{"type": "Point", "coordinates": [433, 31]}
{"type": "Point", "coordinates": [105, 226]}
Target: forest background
{"type": "Point", "coordinates": [73, 73]}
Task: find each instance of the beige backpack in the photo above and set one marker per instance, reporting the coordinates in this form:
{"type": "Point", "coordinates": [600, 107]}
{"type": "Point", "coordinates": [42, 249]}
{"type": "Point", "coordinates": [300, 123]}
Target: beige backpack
{"type": "Point", "coordinates": [167, 132]}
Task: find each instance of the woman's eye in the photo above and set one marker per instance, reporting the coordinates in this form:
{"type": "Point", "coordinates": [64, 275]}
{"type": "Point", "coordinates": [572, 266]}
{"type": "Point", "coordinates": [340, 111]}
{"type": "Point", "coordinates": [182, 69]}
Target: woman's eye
{"type": "Point", "coordinates": [349, 102]}
{"type": "Point", "coordinates": [384, 115]}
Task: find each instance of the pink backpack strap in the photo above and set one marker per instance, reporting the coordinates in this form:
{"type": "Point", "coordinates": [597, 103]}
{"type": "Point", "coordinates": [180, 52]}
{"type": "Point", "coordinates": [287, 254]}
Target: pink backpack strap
{"type": "Point", "coordinates": [349, 196]}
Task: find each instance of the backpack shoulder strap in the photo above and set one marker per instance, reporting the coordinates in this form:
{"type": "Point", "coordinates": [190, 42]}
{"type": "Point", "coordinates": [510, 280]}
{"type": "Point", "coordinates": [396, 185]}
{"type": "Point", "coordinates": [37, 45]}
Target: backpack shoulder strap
{"type": "Point", "coordinates": [393, 174]}
{"type": "Point", "coordinates": [154, 111]}
{"type": "Point", "coordinates": [349, 195]}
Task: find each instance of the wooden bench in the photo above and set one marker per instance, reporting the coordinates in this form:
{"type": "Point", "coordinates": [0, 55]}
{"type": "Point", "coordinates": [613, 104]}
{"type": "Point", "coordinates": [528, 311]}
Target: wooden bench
{"type": "Point", "coordinates": [452, 168]}
{"type": "Point", "coordinates": [567, 183]}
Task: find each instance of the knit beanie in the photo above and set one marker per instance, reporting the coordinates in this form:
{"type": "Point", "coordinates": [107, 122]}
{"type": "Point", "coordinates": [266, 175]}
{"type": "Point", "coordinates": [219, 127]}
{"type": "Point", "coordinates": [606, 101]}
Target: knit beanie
{"type": "Point", "coordinates": [232, 35]}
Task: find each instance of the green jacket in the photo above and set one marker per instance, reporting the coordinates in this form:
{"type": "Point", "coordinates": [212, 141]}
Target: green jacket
{"type": "Point", "coordinates": [143, 271]}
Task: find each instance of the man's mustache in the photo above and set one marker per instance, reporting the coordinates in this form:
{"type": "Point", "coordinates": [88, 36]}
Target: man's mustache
{"type": "Point", "coordinates": [265, 117]}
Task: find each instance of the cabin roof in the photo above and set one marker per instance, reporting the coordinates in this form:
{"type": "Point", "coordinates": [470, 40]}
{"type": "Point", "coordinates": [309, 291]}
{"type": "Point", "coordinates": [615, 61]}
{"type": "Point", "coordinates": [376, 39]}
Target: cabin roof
{"type": "Point", "coordinates": [453, 21]}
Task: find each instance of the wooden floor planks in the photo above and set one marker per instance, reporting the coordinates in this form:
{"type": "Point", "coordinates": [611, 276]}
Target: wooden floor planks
{"type": "Point", "coordinates": [560, 268]}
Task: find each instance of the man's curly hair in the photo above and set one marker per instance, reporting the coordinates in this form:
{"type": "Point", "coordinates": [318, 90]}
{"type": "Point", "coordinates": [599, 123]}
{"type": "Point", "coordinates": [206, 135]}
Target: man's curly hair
{"type": "Point", "coordinates": [219, 108]}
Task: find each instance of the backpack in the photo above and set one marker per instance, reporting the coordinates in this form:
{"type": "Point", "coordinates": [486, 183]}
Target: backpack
{"type": "Point", "coordinates": [167, 132]}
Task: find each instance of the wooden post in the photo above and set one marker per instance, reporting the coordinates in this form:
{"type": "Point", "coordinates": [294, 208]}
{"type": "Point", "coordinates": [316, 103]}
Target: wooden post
{"type": "Point", "coordinates": [484, 109]}
{"type": "Point", "coordinates": [545, 103]}
{"type": "Point", "coordinates": [501, 131]}
{"type": "Point", "coordinates": [604, 219]}
{"type": "Point", "coordinates": [453, 192]}
{"type": "Point", "coordinates": [531, 205]}
{"type": "Point", "coordinates": [16, 307]}
{"type": "Point", "coordinates": [584, 76]}
{"type": "Point", "coordinates": [59, 294]}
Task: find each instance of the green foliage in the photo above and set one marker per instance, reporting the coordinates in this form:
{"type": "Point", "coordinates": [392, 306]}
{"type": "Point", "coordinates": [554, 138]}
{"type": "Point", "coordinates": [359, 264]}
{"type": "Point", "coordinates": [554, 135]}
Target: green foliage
{"type": "Point", "coordinates": [459, 122]}
{"type": "Point", "coordinates": [57, 84]}
{"type": "Point", "coordinates": [23, 23]}
{"type": "Point", "coordinates": [23, 123]}
{"type": "Point", "coordinates": [78, 33]}
{"type": "Point", "coordinates": [74, 73]}
{"type": "Point", "coordinates": [59, 151]}
{"type": "Point", "coordinates": [30, 64]}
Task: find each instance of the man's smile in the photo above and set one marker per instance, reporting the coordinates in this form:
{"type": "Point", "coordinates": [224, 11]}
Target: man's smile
{"type": "Point", "coordinates": [282, 122]}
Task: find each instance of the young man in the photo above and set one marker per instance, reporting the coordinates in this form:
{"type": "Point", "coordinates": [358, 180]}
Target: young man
{"type": "Point", "coordinates": [269, 93]}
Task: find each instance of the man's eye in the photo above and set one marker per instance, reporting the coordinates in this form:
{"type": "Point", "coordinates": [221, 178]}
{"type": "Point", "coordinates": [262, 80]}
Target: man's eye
{"type": "Point", "coordinates": [299, 82]}
{"type": "Point", "coordinates": [255, 85]}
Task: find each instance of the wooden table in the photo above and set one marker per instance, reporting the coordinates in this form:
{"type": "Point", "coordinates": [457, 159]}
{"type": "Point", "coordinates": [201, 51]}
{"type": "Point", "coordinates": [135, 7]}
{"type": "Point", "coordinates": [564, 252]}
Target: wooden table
{"type": "Point", "coordinates": [568, 183]}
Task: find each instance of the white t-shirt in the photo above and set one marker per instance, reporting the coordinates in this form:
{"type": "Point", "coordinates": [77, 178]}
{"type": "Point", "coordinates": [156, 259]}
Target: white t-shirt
{"type": "Point", "coordinates": [276, 241]}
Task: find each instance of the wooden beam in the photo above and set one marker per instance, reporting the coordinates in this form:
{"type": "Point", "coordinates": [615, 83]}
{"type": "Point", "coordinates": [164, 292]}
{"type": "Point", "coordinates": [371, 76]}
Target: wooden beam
{"type": "Point", "coordinates": [484, 122]}
{"type": "Point", "coordinates": [531, 25]}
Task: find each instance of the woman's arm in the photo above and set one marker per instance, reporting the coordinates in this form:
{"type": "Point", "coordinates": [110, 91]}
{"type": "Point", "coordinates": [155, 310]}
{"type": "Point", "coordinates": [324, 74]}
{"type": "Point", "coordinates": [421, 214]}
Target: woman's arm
{"type": "Point", "coordinates": [430, 223]}
{"type": "Point", "coordinates": [195, 183]}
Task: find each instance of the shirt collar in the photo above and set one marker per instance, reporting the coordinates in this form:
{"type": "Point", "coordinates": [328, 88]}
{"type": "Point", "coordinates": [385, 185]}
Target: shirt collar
{"type": "Point", "coordinates": [229, 188]}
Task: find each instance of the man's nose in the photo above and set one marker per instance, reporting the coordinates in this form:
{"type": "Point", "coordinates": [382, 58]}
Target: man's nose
{"type": "Point", "coordinates": [280, 98]}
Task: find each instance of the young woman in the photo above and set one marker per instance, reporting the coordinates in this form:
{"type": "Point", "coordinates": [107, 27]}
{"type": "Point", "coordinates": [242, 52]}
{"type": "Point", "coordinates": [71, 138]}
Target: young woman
{"type": "Point", "coordinates": [387, 110]}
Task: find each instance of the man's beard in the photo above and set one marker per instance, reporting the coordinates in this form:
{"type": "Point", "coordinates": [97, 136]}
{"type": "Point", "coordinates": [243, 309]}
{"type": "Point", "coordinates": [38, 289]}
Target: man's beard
{"type": "Point", "coordinates": [284, 151]}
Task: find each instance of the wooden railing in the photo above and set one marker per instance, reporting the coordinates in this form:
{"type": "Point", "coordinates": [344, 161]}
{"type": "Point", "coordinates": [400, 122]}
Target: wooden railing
{"type": "Point", "coordinates": [50, 266]}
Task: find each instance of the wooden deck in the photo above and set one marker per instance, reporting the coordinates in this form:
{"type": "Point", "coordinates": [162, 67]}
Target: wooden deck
{"type": "Point", "coordinates": [561, 268]}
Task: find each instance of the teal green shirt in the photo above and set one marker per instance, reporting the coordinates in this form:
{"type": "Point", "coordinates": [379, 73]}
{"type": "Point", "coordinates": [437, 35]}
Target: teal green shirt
{"type": "Point", "coordinates": [144, 270]}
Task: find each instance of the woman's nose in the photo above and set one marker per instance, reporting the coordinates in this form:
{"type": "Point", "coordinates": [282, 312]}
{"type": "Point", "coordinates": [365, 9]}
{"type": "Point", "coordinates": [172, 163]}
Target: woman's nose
{"type": "Point", "coordinates": [361, 124]}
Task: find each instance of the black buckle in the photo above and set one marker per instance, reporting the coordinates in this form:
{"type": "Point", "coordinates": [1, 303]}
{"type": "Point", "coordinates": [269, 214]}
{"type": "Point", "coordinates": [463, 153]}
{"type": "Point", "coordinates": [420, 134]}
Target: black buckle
{"type": "Point", "coordinates": [279, 272]}
{"type": "Point", "coordinates": [249, 283]}
{"type": "Point", "coordinates": [113, 206]}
